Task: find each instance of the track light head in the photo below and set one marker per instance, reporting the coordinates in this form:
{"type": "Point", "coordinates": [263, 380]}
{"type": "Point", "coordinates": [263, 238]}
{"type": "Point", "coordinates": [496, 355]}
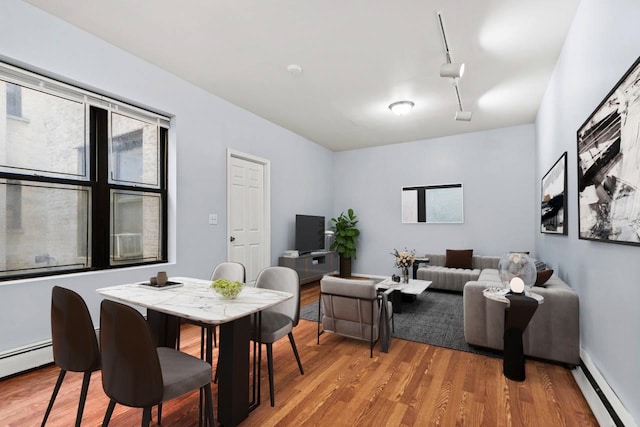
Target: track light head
{"type": "Point", "coordinates": [463, 116]}
{"type": "Point", "coordinates": [452, 70]}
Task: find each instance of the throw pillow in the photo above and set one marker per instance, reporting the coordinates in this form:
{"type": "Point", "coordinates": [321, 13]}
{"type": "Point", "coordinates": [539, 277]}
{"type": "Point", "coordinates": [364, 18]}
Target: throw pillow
{"type": "Point", "coordinates": [542, 277]}
{"type": "Point", "coordinates": [462, 258]}
{"type": "Point", "coordinates": [540, 265]}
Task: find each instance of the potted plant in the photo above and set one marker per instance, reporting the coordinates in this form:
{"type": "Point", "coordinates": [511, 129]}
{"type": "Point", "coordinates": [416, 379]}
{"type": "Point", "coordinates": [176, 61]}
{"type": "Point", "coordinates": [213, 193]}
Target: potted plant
{"type": "Point", "coordinates": [346, 238]}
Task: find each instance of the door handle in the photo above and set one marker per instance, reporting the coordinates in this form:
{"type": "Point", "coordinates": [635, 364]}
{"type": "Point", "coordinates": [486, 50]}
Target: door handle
{"type": "Point", "coordinates": [232, 239]}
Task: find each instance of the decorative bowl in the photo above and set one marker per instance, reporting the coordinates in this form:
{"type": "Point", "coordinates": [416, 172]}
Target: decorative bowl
{"type": "Point", "coordinates": [227, 289]}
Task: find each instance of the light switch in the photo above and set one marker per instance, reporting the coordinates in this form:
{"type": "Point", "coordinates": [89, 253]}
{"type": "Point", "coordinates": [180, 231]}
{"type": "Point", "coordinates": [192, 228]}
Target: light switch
{"type": "Point", "coordinates": [213, 219]}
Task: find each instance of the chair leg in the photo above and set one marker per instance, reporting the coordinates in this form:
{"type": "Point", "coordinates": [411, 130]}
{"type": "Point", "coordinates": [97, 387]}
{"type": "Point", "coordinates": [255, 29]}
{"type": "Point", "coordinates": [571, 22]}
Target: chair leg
{"type": "Point", "coordinates": [270, 368]}
{"type": "Point", "coordinates": [83, 396]}
{"type": "Point", "coordinates": [215, 338]}
{"type": "Point", "coordinates": [146, 416]}
{"type": "Point", "coordinates": [54, 395]}
{"type": "Point", "coordinates": [209, 406]}
{"type": "Point", "coordinates": [107, 415]}
{"type": "Point", "coordinates": [159, 413]}
{"type": "Point", "coordinates": [295, 351]}
{"type": "Point", "coordinates": [202, 329]}
{"type": "Point", "coordinates": [178, 336]}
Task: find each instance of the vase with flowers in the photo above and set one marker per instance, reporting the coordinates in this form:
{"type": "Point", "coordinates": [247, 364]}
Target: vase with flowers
{"type": "Point", "coordinates": [404, 260]}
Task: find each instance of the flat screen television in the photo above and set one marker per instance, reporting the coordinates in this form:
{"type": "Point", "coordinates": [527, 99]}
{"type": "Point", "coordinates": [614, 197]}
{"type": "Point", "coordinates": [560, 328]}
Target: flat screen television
{"type": "Point", "coordinates": [309, 233]}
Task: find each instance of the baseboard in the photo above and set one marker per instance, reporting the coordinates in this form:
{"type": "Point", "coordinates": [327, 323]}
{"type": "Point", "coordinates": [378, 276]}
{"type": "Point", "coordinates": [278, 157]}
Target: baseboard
{"type": "Point", "coordinates": [25, 358]}
{"type": "Point", "coordinates": [605, 405]}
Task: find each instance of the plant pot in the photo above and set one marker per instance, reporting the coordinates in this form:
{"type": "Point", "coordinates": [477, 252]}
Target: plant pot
{"type": "Point", "coordinates": [345, 267]}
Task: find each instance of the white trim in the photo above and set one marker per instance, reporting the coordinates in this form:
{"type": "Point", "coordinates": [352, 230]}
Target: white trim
{"type": "Point", "coordinates": [41, 83]}
{"type": "Point", "coordinates": [592, 398]}
{"type": "Point", "coordinates": [267, 199]}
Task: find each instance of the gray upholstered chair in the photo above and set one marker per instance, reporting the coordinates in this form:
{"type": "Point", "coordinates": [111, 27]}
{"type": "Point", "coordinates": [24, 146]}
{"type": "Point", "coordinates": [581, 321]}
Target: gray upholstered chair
{"type": "Point", "coordinates": [352, 308]}
{"type": "Point", "coordinates": [137, 374]}
{"type": "Point", "coordinates": [225, 270]}
{"type": "Point", "coordinates": [75, 345]}
{"type": "Point", "coordinates": [279, 320]}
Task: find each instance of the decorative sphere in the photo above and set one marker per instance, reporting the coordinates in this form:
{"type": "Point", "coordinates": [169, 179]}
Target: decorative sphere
{"type": "Point", "coordinates": [516, 264]}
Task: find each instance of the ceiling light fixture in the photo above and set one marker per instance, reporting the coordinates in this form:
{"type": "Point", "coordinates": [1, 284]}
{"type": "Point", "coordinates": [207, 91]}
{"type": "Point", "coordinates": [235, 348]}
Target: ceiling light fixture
{"type": "Point", "coordinates": [294, 69]}
{"type": "Point", "coordinates": [461, 115]}
{"type": "Point", "coordinates": [453, 71]}
{"type": "Point", "coordinates": [448, 69]}
{"type": "Point", "coordinates": [401, 107]}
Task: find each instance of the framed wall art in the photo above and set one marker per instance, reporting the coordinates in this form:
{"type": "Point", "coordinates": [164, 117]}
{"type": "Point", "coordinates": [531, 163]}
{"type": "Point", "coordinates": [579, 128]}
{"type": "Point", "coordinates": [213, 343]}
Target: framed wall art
{"type": "Point", "coordinates": [432, 204]}
{"type": "Point", "coordinates": [609, 166]}
{"type": "Point", "coordinates": [553, 211]}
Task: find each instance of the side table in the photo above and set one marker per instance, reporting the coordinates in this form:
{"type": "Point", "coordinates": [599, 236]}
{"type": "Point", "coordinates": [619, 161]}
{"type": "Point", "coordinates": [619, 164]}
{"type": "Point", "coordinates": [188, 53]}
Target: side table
{"type": "Point", "coordinates": [416, 264]}
{"type": "Point", "coordinates": [517, 315]}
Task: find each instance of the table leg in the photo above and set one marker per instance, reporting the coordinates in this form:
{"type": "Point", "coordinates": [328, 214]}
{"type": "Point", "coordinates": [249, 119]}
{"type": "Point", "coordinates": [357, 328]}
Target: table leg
{"type": "Point", "coordinates": [396, 301]}
{"type": "Point", "coordinates": [233, 371]}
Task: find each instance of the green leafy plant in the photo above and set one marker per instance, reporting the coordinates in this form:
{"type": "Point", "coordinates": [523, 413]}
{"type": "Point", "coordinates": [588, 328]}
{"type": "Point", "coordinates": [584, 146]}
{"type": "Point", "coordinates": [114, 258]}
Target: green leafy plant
{"type": "Point", "coordinates": [346, 234]}
{"type": "Point", "coordinates": [227, 288]}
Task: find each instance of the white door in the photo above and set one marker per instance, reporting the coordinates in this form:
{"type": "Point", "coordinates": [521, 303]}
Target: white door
{"type": "Point", "coordinates": [248, 212]}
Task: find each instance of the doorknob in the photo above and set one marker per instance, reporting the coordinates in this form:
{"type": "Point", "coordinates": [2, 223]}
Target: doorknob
{"type": "Point", "coordinates": [232, 239]}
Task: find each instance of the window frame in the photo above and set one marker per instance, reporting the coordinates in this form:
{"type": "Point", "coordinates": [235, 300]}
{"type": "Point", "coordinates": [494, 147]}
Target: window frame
{"type": "Point", "coordinates": [99, 217]}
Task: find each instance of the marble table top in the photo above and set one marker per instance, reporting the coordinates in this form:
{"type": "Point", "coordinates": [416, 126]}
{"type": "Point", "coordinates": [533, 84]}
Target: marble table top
{"type": "Point", "coordinates": [414, 287]}
{"type": "Point", "coordinates": [195, 300]}
{"type": "Point", "coordinates": [500, 295]}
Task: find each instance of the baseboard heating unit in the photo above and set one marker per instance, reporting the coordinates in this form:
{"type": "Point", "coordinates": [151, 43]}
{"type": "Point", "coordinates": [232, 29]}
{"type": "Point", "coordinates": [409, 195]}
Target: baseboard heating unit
{"type": "Point", "coordinates": [602, 400]}
{"type": "Point", "coordinates": [25, 358]}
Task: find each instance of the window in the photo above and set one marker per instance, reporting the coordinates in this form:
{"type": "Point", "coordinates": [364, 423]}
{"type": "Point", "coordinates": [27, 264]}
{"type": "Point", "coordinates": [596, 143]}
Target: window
{"type": "Point", "coordinates": [82, 181]}
{"type": "Point", "coordinates": [14, 100]}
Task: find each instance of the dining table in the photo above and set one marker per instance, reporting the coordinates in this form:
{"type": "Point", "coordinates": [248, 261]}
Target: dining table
{"type": "Point", "coordinates": [194, 300]}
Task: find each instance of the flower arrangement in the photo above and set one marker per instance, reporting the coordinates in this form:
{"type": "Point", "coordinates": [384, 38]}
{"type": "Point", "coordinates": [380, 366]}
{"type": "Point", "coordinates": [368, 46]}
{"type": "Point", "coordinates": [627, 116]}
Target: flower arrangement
{"type": "Point", "coordinates": [227, 288]}
{"type": "Point", "coordinates": [403, 259]}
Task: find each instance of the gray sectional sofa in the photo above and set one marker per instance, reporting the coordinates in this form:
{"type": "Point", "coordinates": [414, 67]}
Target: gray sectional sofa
{"type": "Point", "coordinates": [554, 330]}
{"type": "Point", "coordinates": [453, 279]}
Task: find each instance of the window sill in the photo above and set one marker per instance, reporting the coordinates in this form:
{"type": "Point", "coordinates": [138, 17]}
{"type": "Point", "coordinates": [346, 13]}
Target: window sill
{"type": "Point", "coordinates": [18, 118]}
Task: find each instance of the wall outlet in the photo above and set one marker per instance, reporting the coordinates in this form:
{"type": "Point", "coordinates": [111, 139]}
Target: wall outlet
{"type": "Point", "coordinates": [213, 219]}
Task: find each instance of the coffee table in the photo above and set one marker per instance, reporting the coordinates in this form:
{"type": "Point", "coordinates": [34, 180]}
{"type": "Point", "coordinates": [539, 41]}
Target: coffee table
{"type": "Point", "coordinates": [414, 288]}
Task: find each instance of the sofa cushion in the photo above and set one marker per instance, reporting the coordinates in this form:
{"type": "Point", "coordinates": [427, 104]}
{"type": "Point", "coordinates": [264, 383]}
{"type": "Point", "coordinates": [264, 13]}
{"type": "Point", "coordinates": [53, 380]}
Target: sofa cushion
{"type": "Point", "coordinates": [450, 279]}
{"type": "Point", "coordinates": [542, 277]}
{"type": "Point", "coordinates": [462, 258]}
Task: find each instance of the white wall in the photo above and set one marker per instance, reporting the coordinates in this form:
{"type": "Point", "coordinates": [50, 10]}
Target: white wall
{"type": "Point", "coordinates": [203, 127]}
{"type": "Point", "coordinates": [496, 168]}
{"type": "Point", "coordinates": [603, 42]}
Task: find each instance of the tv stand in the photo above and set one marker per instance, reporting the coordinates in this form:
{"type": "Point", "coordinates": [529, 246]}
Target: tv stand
{"type": "Point", "coordinates": [311, 267]}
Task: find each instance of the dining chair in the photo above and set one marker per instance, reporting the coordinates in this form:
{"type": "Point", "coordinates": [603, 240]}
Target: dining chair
{"type": "Point", "coordinates": [279, 320]}
{"type": "Point", "coordinates": [137, 374]}
{"type": "Point", "coordinates": [75, 345]}
{"type": "Point", "coordinates": [225, 270]}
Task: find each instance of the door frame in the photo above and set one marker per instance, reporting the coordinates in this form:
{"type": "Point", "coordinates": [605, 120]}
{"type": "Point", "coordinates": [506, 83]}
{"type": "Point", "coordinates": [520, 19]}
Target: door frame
{"type": "Point", "coordinates": [266, 214]}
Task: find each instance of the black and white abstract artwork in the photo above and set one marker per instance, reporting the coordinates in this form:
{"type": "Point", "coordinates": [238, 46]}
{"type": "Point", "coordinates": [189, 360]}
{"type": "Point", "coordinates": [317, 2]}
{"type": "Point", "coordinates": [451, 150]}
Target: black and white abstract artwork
{"type": "Point", "coordinates": [553, 217]}
{"type": "Point", "coordinates": [609, 166]}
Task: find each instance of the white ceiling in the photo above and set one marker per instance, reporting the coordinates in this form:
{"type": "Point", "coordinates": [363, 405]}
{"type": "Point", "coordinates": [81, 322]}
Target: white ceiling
{"type": "Point", "coordinates": [358, 56]}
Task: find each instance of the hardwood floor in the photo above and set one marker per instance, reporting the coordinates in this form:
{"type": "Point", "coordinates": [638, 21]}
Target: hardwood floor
{"type": "Point", "coordinates": [412, 385]}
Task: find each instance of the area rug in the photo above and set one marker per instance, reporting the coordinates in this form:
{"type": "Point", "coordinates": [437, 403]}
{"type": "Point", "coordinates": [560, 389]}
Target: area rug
{"type": "Point", "coordinates": [435, 318]}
